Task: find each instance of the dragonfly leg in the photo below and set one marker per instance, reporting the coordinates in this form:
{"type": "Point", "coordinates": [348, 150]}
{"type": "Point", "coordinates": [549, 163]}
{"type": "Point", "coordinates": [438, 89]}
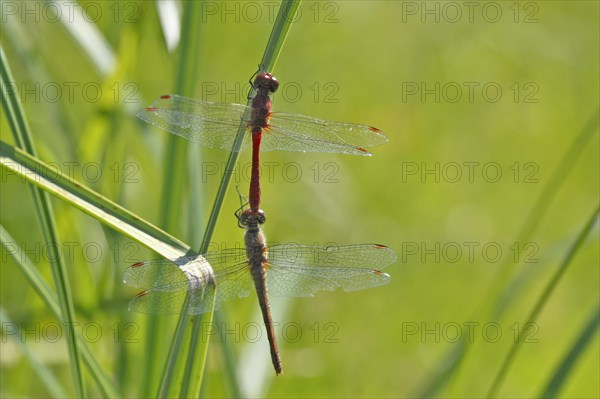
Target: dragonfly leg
{"type": "Point", "coordinates": [243, 204]}
{"type": "Point", "coordinates": [251, 93]}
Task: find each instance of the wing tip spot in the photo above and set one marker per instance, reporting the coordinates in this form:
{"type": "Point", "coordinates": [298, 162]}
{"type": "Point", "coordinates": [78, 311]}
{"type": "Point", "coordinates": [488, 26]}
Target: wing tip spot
{"type": "Point", "coordinates": [143, 293]}
{"type": "Point", "coordinates": [138, 264]}
{"type": "Point", "coordinates": [381, 135]}
{"type": "Point", "coordinates": [165, 97]}
{"type": "Point", "coordinates": [152, 109]}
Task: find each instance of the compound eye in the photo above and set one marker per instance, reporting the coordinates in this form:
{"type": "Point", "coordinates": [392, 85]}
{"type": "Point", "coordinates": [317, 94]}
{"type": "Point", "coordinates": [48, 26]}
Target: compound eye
{"type": "Point", "coordinates": [261, 217]}
{"type": "Point", "coordinates": [244, 217]}
{"type": "Point", "coordinates": [273, 84]}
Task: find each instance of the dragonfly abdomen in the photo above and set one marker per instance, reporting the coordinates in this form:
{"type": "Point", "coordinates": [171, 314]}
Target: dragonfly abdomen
{"type": "Point", "coordinates": [259, 275]}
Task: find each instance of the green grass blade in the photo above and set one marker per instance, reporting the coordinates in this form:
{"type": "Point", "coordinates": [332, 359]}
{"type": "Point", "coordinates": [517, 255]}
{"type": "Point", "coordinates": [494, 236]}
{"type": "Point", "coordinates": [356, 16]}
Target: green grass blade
{"type": "Point", "coordinates": [229, 362]}
{"type": "Point", "coordinates": [542, 204]}
{"type": "Point", "coordinates": [44, 291]}
{"type": "Point", "coordinates": [490, 309]}
{"type": "Point", "coordinates": [173, 361]}
{"type": "Point", "coordinates": [543, 299]}
{"type": "Point", "coordinates": [566, 365]}
{"type": "Point", "coordinates": [194, 363]}
{"type": "Point", "coordinates": [451, 361]}
{"type": "Point", "coordinates": [173, 187]}
{"type": "Point", "coordinates": [90, 202]}
{"type": "Point", "coordinates": [185, 77]}
{"type": "Point", "coordinates": [16, 117]}
{"type": "Point", "coordinates": [43, 373]}
{"type": "Point", "coordinates": [29, 270]}
{"type": "Point", "coordinates": [287, 13]}
{"type": "Point", "coordinates": [88, 36]}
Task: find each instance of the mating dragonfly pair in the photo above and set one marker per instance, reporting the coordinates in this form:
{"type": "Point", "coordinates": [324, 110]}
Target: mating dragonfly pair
{"type": "Point", "coordinates": [281, 270]}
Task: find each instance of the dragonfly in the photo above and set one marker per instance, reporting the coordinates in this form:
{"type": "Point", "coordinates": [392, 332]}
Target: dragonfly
{"type": "Point", "coordinates": [215, 125]}
{"type": "Point", "coordinates": [288, 270]}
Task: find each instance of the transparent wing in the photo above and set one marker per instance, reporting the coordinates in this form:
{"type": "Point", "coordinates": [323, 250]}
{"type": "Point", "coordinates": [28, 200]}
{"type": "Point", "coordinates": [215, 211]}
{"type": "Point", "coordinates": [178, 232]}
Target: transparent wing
{"type": "Point", "coordinates": [213, 125]}
{"type": "Point", "coordinates": [232, 273]}
{"type": "Point", "coordinates": [294, 132]}
{"type": "Point", "coordinates": [168, 302]}
{"type": "Point", "coordinates": [165, 274]}
{"type": "Point", "coordinates": [302, 270]}
{"type": "Point", "coordinates": [168, 282]}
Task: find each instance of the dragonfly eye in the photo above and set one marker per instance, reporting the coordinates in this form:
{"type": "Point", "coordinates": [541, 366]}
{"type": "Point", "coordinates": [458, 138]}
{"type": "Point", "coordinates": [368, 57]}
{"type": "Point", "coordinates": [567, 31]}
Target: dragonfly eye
{"type": "Point", "coordinates": [261, 218]}
{"type": "Point", "coordinates": [243, 218]}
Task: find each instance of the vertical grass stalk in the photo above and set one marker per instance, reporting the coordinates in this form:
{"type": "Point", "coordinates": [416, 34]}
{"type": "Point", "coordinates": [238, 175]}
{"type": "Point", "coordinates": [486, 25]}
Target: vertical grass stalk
{"type": "Point", "coordinates": [490, 311]}
{"type": "Point", "coordinates": [197, 352]}
{"type": "Point", "coordinates": [543, 299]}
{"type": "Point", "coordinates": [586, 336]}
{"type": "Point", "coordinates": [172, 193]}
{"type": "Point", "coordinates": [23, 139]}
{"type": "Point", "coordinates": [43, 290]}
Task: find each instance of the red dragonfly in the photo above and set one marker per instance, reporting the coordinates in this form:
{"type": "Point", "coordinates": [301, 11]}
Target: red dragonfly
{"type": "Point", "coordinates": [289, 270]}
{"type": "Point", "coordinates": [215, 125]}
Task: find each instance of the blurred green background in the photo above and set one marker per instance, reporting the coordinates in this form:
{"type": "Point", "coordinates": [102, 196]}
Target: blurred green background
{"type": "Point", "coordinates": [480, 103]}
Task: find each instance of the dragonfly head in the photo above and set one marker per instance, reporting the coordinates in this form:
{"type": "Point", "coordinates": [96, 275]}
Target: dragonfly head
{"type": "Point", "coordinates": [266, 81]}
{"type": "Point", "coordinates": [249, 219]}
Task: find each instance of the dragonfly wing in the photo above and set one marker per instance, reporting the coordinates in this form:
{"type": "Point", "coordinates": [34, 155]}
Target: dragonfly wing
{"type": "Point", "coordinates": [158, 302]}
{"type": "Point", "coordinates": [302, 270]}
{"type": "Point", "coordinates": [214, 125]}
{"type": "Point", "coordinates": [232, 274]}
{"type": "Point", "coordinates": [232, 285]}
{"type": "Point", "coordinates": [167, 284]}
{"type": "Point", "coordinates": [293, 132]}
{"type": "Point", "coordinates": [163, 274]}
